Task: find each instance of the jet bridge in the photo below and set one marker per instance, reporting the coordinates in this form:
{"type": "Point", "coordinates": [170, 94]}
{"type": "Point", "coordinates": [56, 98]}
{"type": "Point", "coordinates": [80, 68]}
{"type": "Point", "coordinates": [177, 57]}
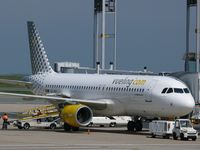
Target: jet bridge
{"type": "Point", "coordinates": [192, 80]}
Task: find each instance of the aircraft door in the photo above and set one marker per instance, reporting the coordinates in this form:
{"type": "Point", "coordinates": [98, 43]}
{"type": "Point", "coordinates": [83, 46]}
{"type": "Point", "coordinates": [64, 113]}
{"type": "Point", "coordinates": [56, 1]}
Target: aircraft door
{"type": "Point", "coordinates": [148, 91]}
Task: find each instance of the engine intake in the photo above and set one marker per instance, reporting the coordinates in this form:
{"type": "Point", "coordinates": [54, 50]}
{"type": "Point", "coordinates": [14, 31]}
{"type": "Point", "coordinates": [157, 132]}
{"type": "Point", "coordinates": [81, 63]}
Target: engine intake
{"type": "Point", "coordinates": [76, 115]}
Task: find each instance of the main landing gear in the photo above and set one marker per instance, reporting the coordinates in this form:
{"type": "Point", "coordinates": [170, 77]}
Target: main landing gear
{"type": "Point", "coordinates": [68, 128]}
{"type": "Point", "coordinates": [135, 125]}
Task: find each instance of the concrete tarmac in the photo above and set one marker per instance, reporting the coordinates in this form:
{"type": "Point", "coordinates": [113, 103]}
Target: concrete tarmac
{"type": "Point", "coordinates": [97, 138]}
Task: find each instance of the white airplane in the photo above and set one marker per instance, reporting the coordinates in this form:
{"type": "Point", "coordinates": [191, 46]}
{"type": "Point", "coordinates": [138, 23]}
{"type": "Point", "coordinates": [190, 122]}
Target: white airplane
{"type": "Point", "coordinates": [80, 96]}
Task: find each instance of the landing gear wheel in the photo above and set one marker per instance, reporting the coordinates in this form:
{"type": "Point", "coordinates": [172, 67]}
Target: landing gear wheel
{"type": "Point", "coordinates": [75, 128]}
{"type": "Point", "coordinates": [67, 127]}
{"type": "Point", "coordinates": [131, 126]}
{"type": "Point", "coordinates": [138, 125]}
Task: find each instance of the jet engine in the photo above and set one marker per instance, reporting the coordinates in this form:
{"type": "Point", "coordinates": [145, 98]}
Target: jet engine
{"type": "Point", "coordinates": [76, 115]}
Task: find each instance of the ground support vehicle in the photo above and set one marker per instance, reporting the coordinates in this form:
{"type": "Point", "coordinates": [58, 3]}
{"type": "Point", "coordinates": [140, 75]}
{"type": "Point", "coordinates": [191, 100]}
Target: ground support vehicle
{"type": "Point", "coordinates": [161, 128]}
{"type": "Point", "coordinates": [180, 128]}
{"type": "Point", "coordinates": [51, 122]}
{"type": "Point", "coordinates": [111, 121]}
{"type": "Point", "coordinates": [184, 130]}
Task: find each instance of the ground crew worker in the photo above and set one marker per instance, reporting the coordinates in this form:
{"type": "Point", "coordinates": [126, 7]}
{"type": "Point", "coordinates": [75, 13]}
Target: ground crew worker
{"type": "Point", "coordinates": [5, 121]}
{"type": "Point", "coordinates": [39, 112]}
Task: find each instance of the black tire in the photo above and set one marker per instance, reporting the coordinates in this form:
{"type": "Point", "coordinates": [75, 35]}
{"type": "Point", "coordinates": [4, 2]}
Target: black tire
{"type": "Point", "coordinates": [182, 136]}
{"type": "Point", "coordinates": [174, 136]}
{"type": "Point", "coordinates": [26, 126]}
{"type": "Point", "coordinates": [131, 126]}
{"type": "Point", "coordinates": [194, 138]}
{"type": "Point", "coordinates": [167, 136]}
{"type": "Point", "coordinates": [75, 128]}
{"type": "Point", "coordinates": [67, 127]}
{"type": "Point", "coordinates": [112, 124]}
{"type": "Point", "coordinates": [52, 126]}
{"type": "Point", "coordinates": [153, 135]}
{"type": "Point", "coordinates": [138, 126]}
{"type": "Point", "coordinates": [164, 136]}
{"type": "Point", "coordinates": [19, 127]}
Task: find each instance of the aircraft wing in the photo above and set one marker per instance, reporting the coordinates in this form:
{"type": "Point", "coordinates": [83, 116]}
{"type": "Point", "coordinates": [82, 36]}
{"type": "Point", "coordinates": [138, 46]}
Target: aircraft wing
{"type": "Point", "coordinates": [94, 104]}
{"type": "Point", "coordinates": [16, 82]}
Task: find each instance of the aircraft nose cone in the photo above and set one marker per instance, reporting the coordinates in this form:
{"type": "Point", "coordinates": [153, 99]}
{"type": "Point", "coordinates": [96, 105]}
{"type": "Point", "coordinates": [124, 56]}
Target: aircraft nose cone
{"type": "Point", "coordinates": [187, 105]}
{"type": "Point", "coordinates": [190, 104]}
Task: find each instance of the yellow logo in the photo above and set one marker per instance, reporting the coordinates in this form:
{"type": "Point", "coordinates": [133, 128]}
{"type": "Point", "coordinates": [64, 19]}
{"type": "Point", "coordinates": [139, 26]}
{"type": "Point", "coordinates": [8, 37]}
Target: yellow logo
{"type": "Point", "coordinates": [129, 82]}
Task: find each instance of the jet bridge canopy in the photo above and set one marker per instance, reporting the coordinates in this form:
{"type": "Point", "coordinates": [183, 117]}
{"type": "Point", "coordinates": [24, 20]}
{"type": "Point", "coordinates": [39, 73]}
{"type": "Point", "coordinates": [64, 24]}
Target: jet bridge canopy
{"type": "Point", "coordinates": [192, 81]}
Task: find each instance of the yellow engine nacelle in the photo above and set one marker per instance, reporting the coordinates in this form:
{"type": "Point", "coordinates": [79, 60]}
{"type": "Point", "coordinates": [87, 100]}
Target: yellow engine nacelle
{"type": "Point", "coordinates": [76, 115]}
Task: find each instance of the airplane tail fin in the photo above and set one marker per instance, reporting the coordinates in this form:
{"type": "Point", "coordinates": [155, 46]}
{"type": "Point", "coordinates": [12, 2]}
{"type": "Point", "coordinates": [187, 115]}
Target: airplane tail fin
{"type": "Point", "coordinates": [39, 61]}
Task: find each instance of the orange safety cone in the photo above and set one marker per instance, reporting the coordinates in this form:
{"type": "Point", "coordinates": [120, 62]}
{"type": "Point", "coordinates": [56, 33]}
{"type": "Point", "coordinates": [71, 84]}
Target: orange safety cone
{"type": "Point", "coordinates": [88, 131]}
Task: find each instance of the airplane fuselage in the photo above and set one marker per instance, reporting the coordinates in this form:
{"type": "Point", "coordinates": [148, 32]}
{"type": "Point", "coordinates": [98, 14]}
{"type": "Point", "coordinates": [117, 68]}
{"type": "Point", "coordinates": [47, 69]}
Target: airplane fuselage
{"type": "Point", "coordinates": [129, 94]}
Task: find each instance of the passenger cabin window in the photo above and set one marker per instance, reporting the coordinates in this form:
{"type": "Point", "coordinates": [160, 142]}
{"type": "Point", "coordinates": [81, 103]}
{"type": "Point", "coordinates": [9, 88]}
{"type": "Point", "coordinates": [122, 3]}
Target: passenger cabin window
{"type": "Point", "coordinates": [170, 90]}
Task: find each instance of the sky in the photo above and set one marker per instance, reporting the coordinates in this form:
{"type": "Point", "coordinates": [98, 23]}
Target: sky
{"type": "Point", "coordinates": [150, 33]}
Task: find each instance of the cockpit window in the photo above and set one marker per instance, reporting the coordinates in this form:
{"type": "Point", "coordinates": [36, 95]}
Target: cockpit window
{"type": "Point", "coordinates": [177, 90]}
{"type": "Point", "coordinates": [186, 90]}
{"type": "Point", "coordinates": [164, 90]}
{"type": "Point", "coordinates": [170, 90]}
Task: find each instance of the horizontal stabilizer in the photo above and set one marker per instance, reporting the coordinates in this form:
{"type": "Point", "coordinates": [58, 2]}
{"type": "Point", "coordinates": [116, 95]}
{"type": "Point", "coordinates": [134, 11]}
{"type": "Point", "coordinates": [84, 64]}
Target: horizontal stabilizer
{"type": "Point", "coordinates": [16, 82]}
